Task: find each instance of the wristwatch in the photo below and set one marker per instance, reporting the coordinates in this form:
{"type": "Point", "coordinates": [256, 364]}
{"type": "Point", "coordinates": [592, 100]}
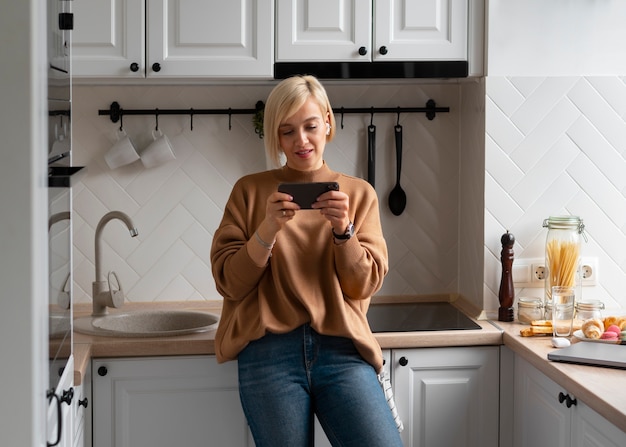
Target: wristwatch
{"type": "Point", "coordinates": [347, 235]}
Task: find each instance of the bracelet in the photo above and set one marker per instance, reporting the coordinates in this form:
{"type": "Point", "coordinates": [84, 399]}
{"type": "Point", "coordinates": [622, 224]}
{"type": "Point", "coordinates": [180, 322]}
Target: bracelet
{"type": "Point", "coordinates": [262, 242]}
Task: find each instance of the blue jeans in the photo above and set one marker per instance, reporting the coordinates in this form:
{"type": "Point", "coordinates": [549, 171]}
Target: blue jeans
{"type": "Point", "coordinates": [284, 379]}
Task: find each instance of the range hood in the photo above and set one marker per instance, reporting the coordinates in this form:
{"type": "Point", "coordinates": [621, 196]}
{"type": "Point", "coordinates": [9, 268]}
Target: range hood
{"type": "Point", "coordinates": [374, 70]}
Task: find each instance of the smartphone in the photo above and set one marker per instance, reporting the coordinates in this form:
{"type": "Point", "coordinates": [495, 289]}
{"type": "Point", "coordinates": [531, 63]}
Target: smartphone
{"type": "Point", "coordinates": [305, 194]}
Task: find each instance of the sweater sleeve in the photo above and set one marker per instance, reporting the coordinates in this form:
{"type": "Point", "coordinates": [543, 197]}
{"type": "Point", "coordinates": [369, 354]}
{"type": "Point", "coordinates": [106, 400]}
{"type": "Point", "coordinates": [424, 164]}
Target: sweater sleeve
{"type": "Point", "coordinates": [362, 262]}
{"type": "Point", "coordinates": [235, 274]}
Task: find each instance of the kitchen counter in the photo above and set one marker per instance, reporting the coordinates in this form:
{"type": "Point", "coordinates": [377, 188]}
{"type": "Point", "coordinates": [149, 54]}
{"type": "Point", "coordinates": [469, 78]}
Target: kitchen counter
{"type": "Point", "coordinates": [91, 346]}
{"type": "Point", "coordinates": [603, 389]}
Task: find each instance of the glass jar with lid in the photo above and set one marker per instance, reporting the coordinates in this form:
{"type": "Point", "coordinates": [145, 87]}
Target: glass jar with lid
{"type": "Point", "coordinates": [563, 245]}
{"type": "Point", "coordinates": [586, 310]}
{"type": "Point", "coordinates": [529, 309]}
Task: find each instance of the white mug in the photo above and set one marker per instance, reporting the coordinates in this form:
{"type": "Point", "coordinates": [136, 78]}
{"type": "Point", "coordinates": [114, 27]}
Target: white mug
{"type": "Point", "coordinates": [123, 152]}
{"type": "Point", "coordinates": [158, 152]}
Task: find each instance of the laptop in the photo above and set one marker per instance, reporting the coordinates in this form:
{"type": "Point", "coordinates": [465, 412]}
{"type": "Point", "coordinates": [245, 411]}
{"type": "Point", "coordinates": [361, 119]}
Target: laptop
{"type": "Point", "coordinates": [589, 353]}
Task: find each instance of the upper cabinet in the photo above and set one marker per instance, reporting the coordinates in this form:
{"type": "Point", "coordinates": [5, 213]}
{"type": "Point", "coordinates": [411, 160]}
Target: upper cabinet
{"type": "Point", "coordinates": [135, 39]}
{"type": "Point", "coordinates": [371, 30]}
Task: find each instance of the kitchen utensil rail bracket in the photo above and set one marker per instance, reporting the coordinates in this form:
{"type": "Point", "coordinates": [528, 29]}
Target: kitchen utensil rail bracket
{"type": "Point", "coordinates": [115, 112]}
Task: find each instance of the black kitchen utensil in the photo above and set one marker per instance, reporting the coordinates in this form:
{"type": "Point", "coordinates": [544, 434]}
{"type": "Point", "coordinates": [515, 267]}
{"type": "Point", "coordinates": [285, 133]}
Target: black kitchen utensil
{"type": "Point", "coordinates": [371, 154]}
{"type": "Point", "coordinates": [397, 196]}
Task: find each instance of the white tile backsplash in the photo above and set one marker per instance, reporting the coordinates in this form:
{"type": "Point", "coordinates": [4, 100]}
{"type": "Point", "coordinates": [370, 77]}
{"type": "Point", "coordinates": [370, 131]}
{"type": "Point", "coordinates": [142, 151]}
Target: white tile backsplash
{"type": "Point", "coordinates": [562, 152]}
{"type": "Point", "coordinates": [178, 205]}
{"type": "Point", "coordinates": [530, 148]}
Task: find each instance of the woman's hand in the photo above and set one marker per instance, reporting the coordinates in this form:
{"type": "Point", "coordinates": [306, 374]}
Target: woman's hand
{"type": "Point", "coordinates": [334, 206]}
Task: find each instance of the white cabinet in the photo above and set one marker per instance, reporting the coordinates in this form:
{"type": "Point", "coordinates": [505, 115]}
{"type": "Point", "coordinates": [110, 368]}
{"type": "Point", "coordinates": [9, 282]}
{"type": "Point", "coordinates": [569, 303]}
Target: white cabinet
{"type": "Point", "coordinates": [172, 39]}
{"type": "Point", "coordinates": [82, 411]}
{"type": "Point", "coordinates": [371, 30]}
{"type": "Point", "coordinates": [60, 414]}
{"type": "Point", "coordinates": [447, 396]}
{"type": "Point", "coordinates": [167, 401]}
{"type": "Point", "coordinates": [546, 414]}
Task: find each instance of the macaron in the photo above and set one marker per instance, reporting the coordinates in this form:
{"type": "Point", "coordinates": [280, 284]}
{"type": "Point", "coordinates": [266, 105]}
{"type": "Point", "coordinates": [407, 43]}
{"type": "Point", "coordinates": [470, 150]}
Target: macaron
{"type": "Point", "coordinates": [623, 335]}
{"type": "Point", "coordinates": [614, 328]}
{"type": "Point", "coordinates": [609, 335]}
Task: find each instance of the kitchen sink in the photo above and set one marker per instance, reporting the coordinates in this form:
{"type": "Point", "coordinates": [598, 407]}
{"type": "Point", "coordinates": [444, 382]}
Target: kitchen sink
{"type": "Point", "coordinates": [155, 323]}
{"type": "Point", "coordinates": [423, 316]}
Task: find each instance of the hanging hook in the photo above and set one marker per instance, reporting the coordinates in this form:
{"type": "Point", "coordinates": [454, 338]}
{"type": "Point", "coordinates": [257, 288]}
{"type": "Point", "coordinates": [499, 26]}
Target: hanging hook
{"type": "Point", "coordinates": [230, 116]}
{"type": "Point", "coordinates": [372, 117]}
{"type": "Point", "coordinates": [398, 119]}
{"type": "Point", "coordinates": [121, 121]}
{"type": "Point", "coordinates": [156, 116]}
{"type": "Point", "coordinates": [191, 119]}
{"type": "Point", "coordinates": [341, 117]}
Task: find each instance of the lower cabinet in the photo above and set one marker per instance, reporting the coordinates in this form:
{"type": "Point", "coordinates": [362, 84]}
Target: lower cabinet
{"type": "Point", "coordinates": [546, 414]}
{"type": "Point", "coordinates": [82, 411]}
{"type": "Point", "coordinates": [167, 401]}
{"type": "Point", "coordinates": [447, 396]}
{"type": "Point", "coordinates": [60, 412]}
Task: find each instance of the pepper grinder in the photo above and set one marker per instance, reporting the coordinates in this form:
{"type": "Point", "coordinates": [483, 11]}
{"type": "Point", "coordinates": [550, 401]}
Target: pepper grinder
{"type": "Point", "coordinates": [506, 295]}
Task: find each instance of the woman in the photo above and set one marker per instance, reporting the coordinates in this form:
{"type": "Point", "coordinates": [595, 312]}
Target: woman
{"type": "Point", "coordinates": [297, 285]}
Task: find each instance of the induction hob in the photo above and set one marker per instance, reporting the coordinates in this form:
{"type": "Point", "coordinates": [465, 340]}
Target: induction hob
{"type": "Point", "coordinates": [409, 317]}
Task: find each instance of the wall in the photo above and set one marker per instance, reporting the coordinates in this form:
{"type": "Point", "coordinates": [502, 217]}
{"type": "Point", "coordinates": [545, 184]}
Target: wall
{"type": "Point", "coordinates": [23, 240]}
{"type": "Point", "coordinates": [177, 206]}
{"type": "Point", "coordinates": [556, 134]}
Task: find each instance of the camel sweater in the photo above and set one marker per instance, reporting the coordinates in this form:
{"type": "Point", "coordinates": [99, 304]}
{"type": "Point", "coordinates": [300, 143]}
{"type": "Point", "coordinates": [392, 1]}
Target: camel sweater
{"type": "Point", "coordinates": [309, 278]}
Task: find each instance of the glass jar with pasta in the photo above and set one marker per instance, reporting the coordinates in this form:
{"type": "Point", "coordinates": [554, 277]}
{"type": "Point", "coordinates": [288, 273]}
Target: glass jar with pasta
{"type": "Point", "coordinates": [563, 244]}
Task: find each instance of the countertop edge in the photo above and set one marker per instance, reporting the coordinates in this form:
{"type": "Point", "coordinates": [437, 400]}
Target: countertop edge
{"type": "Point", "coordinates": [589, 384]}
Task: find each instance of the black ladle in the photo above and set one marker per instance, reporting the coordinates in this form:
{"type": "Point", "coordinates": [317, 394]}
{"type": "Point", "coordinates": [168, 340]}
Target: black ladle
{"type": "Point", "coordinates": [397, 196]}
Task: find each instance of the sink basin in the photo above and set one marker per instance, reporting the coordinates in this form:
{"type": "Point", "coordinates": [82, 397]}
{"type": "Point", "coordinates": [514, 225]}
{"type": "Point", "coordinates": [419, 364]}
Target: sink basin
{"type": "Point", "coordinates": [155, 323]}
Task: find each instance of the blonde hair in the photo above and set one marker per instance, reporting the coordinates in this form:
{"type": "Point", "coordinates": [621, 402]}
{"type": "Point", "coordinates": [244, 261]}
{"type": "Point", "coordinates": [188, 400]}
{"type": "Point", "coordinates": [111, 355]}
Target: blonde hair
{"type": "Point", "coordinates": [285, 100]}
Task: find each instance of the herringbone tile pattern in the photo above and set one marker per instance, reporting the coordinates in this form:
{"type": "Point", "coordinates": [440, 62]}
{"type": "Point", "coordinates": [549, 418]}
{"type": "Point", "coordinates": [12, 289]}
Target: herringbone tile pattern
{"type": "Point", "coordinates": [177, 206]}
{"type": "Point", "coordinates": [557, 145]}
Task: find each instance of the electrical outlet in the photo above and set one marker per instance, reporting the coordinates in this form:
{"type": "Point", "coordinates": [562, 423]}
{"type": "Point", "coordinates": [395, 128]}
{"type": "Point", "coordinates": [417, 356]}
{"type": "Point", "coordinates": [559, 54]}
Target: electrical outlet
{"type": "Point", "coordinates": [589, 271]}
{"type": "Point", "coordinates": [538, 272]}
{"type": "Point", "coordinates": [532, 272]}
{"type": "Point", "coordinates": [529, 272]}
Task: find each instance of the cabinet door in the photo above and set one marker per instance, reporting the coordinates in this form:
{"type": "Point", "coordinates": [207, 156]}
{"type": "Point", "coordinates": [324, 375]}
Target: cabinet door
{"type": "Point", "coordinates": [591, 429]}
{"type": "Point", "coordinates": [539, 417]}
{"type": "Point", "coordinates": [65, 386]}
{"type": "Point", "coordinates": [447, 396]}
{"type": "Point", "coordinates": [210, 38]}
{"type": "Point", "coordinates": [412, 30]}
{"type": "Point", "coordinates": [323, 30]}
{"type": "Point", "coordinates": [108, 38]}
{"type": "Point", "coordinates": [167, 401]}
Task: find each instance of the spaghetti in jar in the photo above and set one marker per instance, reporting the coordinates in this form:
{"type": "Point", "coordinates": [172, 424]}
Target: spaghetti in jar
{"type": "Point", "coordinates": [563, 244]}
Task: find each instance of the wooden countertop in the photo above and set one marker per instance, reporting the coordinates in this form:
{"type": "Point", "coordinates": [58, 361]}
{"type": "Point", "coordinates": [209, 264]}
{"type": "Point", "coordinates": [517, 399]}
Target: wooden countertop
{"type": "Point", "coordinates": [603, 389]}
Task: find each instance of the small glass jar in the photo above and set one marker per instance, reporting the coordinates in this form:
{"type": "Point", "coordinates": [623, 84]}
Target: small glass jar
{"type": "Point", "coordinates": [586, 310]}
{"type": "Point", "coordinates": [562, 262]}
{"type": "Point", "coordinates": [548, 311]}
{"type": "Point", "coordinates": [529, 309]}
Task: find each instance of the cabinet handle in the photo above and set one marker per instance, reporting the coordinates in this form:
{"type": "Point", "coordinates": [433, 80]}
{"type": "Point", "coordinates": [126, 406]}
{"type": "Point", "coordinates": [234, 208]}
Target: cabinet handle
{"type": "Point", "coordinates": [156, 67]}
{"type": "Point", "coordinates": [403, 361]}
{"type": "Point", "coordinates": [51, 394]}
{"type": "Point", "coordinates": [362, 51]}
{"type": "Point", "coordinates": [68, 395]}
{"type": "Point", "coordinates": [569, 402]}
{"type": "Point", "coordinates": [383, 50]}
{"type": "Point", "coordinates": [103, 371]}
{"type": "Point", "coordinates": [134, 67]}
{"type": "Point", "coordinates": [83, 403]}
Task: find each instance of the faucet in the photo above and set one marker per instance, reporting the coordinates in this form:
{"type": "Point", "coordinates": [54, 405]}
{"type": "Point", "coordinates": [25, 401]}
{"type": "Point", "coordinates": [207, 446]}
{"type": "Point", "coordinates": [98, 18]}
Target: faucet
{"type": "Point", "coordinates": [103, 296]}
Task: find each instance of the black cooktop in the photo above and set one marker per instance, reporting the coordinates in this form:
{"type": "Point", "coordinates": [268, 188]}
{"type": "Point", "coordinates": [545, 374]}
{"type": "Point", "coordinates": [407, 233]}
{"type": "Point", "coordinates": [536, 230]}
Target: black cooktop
{"type": "Point", "coordinates": [408, 317]}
